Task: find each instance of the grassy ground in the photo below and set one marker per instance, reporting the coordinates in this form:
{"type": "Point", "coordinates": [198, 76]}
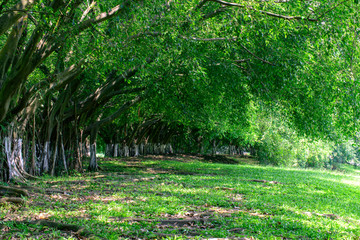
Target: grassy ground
{"type": "Point", "coordinates": [183, 197]}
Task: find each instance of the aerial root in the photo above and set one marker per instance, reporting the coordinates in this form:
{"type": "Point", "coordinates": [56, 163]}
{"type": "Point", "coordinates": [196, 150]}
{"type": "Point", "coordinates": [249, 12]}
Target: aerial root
{"type": "Point", "coordinates": [14, 200]}
{"type": "Point", "coordinates": [13, 192]}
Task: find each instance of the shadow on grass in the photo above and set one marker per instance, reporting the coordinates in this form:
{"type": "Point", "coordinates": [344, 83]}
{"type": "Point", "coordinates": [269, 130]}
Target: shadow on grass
{"type": "Point", "coordinates": [134, 198]}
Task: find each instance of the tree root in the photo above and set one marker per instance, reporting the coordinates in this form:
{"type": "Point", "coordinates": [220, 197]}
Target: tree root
{"type": "Point", "coordinates": [13, 192]}
{"type": "Point", "coordinates": [263, 181]}
{"type": "Point", "coordinates": [22, 192]}
{"type": "Point", "coordinates": [64, 227]}
{"type": "Point", "coordinates": [15, 200]}
{"type": "Point", "coordinates": [29, 176]}
{"type": "Point", "coordinates": [48, 191]}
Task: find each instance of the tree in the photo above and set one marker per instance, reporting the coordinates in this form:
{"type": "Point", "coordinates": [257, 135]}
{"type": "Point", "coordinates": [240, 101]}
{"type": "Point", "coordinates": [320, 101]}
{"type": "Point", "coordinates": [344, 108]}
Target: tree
{"type": "Point", "coordinates": [197, 64]}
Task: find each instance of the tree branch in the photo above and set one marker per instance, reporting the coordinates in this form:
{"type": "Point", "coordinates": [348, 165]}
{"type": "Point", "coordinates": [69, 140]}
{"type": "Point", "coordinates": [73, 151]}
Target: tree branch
{"type": "Point", "coordinates": [214, 13]}
{"type": "Point", "coordinates": [259, 58]}
{"type": "Point", "coordinates": [115, 115]}
{"type": "Point", "coordinates": [323, 14]}
{"type": "Point", "coordinates": [57, 82]}
{"type": "Point", "coordinates": [102, 16]}
{"type": "Point", "coordinates": [9, 19]}
{"type": "Point", "coordinates": [201, 4]}
{"type": "Point", "coordinates": [288, 18]}
{"type": "Point", "coordinates": [125, 91]}
{"type": "Point", "coordinates": [91, 6]}
{"type": "Point", "coordinates": [9, 49]}
{"type": "Point", "coordinates": [209, 39]}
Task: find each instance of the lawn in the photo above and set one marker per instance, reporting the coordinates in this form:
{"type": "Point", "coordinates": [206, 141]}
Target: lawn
{"type": "Point", "coordinates": [182, 197]}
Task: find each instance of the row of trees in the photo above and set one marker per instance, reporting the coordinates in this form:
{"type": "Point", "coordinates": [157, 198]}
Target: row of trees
{"type": "Point", "coordinates": [135, 72]}
{"type": "Point", "coordinates": [269, 137]}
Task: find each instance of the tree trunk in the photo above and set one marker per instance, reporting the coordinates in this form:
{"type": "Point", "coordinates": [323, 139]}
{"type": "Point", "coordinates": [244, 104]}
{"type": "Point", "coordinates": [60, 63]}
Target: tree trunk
{"type": "Point", "coordinates": [108, 150]}
{"type": "Point", "coordinates": [136, 150]}
{"type": "Point", "coordinates": [162, 149]}
{"type": "Point", "coordinates": [14, 172]}
{"type": "Point", "coordinates": [33, 169]}
{"type": "Point", "coordinates": [45, 158]}
{"type": "Point", "coordinates": [93, 166]}
{"type": "Point", "coordinates": [141, 150]}
{"type": "Point", "coordinates": [116, 150]}
{"type": "Point", "coordinates": [156, 149]}
{"type": "Point", "coordinates": [126, 151]}
{"type": "Point", "coordinates": [171, 151]}
{"type": "Point", "coordinates": [64, 157]}
{"type": "Point", "coordinates": [54, 160]}
{"type": "Point", "coordinates": [56, 149]}
{"type": "Point", "coordinates": [17, 154]}
{"type": "Point", "coordinates": [214, 148]}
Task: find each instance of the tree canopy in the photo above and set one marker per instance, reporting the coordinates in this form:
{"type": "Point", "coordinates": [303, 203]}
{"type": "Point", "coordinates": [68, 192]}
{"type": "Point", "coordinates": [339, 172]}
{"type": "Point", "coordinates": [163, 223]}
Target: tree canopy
{"type": "Point", "coordinates": [71, 69]}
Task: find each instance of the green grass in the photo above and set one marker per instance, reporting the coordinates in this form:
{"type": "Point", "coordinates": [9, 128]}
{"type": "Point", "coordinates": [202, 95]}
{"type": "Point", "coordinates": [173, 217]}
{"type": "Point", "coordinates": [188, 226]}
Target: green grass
{"type": "Point", "coordinates": [132, 198]}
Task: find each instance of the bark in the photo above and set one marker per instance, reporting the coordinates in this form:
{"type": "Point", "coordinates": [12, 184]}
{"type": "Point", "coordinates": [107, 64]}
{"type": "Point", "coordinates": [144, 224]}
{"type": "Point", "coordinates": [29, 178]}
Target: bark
{"type": "Point", "coordinates": [46, 157]}
{"type": "Point", "coordinates": [86, 147]}
{"type": "Point", "coordinates": [145, 151]}
{"type": "Point", "coordinates": [116, 150]}
{"type": "Point", "coordinates": [54, 157]}
{"type": "Point", "coordinates": [78, 158]}
{"type": "Point", "coordinates": [12, 84]}
{"type": "Point", "coordinates": [64, 157]}
{"type": "Point", "coordinates": [115, 115]}
{"type": "Point", "coordinates": [142, 149]}
{"type": "Point", "coordinates": [25, 151]}
{"type": "Point", "coordinates": [119, 149]}
{"type": "Point", "coordinates": [162, 149]}
{"type": "Point", "coordinates": [12, 156]}
{"type": "Point", "coordinates": [93, 166]}
{"type": "Point", "coordinates": [54, 83]}
{"type": "Point", "coordinates": [150, 148]}
{"type": "Point", "coordinates": [14, 200]}
{"type": "Point", "coordinates": [109, 150]}
{"type": "Point", "coordinates": [17, 154]}
{"type": "Point", "coordinates": [136, 147]}
{"type": "Point", "coordinates": [104, 93]}
{"type": "Point", "coordinates": [126, 151]}
{"type": "Point", "coordinates": [64, 227]}
{"type": "Point", "coordinates": [12, 191]}
{"type": "Point", "coordinates": [171, 151]}
{"type": "Point", "coordinates": [156, 149]}
{"type": "Point", "coordinates": [91, 6]}
{"type": "Point", "coordinates": [101, 17]}
{"type": "Point", "coordinates": [214, 147]}
{"type": "Point", "coordinates": [9, 18]}
{"type": "Point", "coordinates": [8, 51]}
{"type": "Point", "coordinates": [38, 50]}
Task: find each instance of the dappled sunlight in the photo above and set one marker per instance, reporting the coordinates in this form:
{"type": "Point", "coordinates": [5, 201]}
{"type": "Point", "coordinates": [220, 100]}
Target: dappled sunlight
{"type": "Point", "coordinates": [201, 199]}
{"type": "Point", "coordinates": [351, 182]}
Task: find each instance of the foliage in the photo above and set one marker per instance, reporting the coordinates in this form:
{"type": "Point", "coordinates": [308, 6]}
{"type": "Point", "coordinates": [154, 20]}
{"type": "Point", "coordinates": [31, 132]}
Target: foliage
{"type": "Point", "coordinates": [279, 144]}
{"type": "Point", "coordinates": [70, 68]}
{"type": "Point", "coordinates": [346, 152]}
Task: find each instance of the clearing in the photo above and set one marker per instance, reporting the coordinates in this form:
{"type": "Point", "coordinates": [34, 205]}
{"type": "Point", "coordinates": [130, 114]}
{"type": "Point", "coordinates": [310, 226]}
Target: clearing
{"type": "Point", "coordinates": [187, 197]}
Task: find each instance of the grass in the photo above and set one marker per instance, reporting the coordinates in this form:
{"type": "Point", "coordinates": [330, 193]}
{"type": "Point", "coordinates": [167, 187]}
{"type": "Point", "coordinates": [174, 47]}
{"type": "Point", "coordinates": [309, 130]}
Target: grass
{"type": "Point", "coordinates": [183, 197]}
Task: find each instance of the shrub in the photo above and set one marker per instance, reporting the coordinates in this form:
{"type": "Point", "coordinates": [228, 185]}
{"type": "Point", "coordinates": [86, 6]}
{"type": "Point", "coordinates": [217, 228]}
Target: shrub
{"type": "Point", "coordinates": [345, 152]}
{"type": "Point", "coordinates": [280, 145]}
